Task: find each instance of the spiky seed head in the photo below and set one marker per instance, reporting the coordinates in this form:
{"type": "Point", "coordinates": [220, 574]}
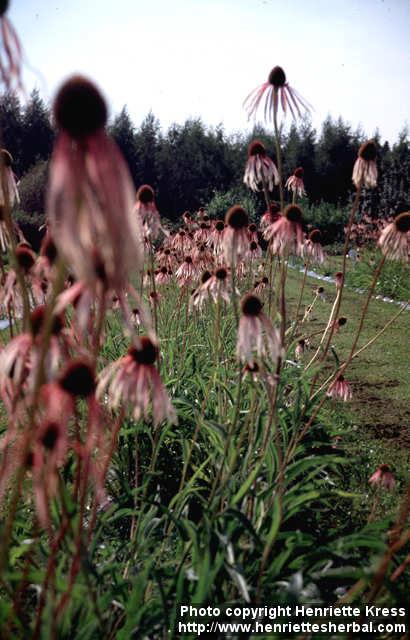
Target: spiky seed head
{"type": "Point", "coordinates": [220, 225]}
{"type": "Point", "coordinates": [298, 173]}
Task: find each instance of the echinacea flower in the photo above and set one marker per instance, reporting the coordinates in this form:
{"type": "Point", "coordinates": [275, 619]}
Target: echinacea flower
{"type": "Point", "coordinates": [295, 183]}
{"type": "Point", "coordinates": [181, 242]}
{"type": "Point", "coordinates": [235, 238]}
{"type": "Point", "coordinates": [256, 332]}
{"type": "Point", "coordinates": [270, 216]}
{"type": "Point", "coordinates": [339, 280]}
{"type": "Point", "coordinates": [11, 53]}
{"type": "Point", "coordinates": [253, 232]}
{"type": "Point", "coordinates": [186, 272]}
{"type": "Point", "coordinates": [187, 218]}
{"type": "Point", "coordinates": [220, 285]}
{"type": "Point", "coordinates": [260, 286]}
{"type": "Point", "coordinates": [163, 276]}
{"type": "Point", "coordinates": [202, 292]}
{"type": "Point", "coordinates": [312, 249]}
{"type": "Point", "coordinates": [300, 349]}
{"type": "Point", "coordinates": [215, 238]}
{"type": "Point", "coordinates": [202, 233]}
{"type": "Point", "coordinates": [8, 188]}
{"type": "Point", "coordinates": [166, 259]}
{"type": "Point", "coordinates": [394, 240]}
{"type": "Point", "coordinates": [340, 389]}
{"type": "Point", "coordinates": [254, 251]}
{"type": "Point", "coordinates": [135, 381]}
{"type": "Point", "coordinates": [146, 209]}
{"type": "Point", "coordinates": [340, 322]}
{"type": "Point", "coordinates": [8, 197]}
{"type": "Point", "coordinates": [365, 168]}
{"type": "Point", "coordinates": [202, 257]}
{"type": "Point", "coordinates": [91, 193]}
{"type": "Point", "coordinates": [260, 170]}
{"type": "Point", "coordinates": [286, 234]}
{"type": "Point", "coordinates": [383, 477]}
{"type": "Point", "coordinates": [20, 358]}
{"type": "Point", "coordinates": [47, 452]}
{"type": "Point", "coordinates": [273, 92]}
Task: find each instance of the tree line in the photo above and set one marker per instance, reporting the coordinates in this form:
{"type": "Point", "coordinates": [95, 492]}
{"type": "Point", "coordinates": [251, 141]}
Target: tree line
{"type": "Point", "coordinates": [191, 164]}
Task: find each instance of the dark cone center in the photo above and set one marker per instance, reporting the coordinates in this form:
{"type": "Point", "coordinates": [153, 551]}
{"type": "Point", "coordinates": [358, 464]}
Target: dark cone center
{"type": "Point", "coordinates": [25, 258]}
{"type": "Point", "coordinates": [315, 236]}
{"type": "Point", "coordinates": [293, 213]}
{"type": "Point", "coordinates": [402, 222]}
{"type": "Point", "coordinates": [145, 194]}
{"type": "Point", "coordinates": [79, 108]}
{"type": "Point", "coordinates": [256, 148]}
{"type": "Point", "coordinates": [251, 306]}
{"type": "Point", "coordinates": [78, 380]}
{"type": "Point", "coordinates": [237, 218]}
{"type": "Point", "coordinates": [50, 436]}
{"type": "Point", "coordinates": [368, 151]}
{"type": "Point", "coordinates": [277, 77]}
{"type": "Point", "coordinates": [146, 354]}
{"type": "Point", "coordinates": [221, 274]}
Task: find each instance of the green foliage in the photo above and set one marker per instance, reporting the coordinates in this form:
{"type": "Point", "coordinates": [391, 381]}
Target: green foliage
{"type": "Point", "coordinates": [394, 279]}
{"type": "Point", "coordinates": [329, 218]}
{"type": "Point", "coordinates": [32, 188]}
{"type": "Point", "coordinates": [220, 203]}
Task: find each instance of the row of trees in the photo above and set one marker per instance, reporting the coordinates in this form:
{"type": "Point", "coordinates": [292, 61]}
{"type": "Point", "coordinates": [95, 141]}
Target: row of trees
{"type": "Point", "coordinates": [189, 162]}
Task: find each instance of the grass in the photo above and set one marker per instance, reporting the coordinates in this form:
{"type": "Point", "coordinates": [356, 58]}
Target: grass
{"type": "Point", "coordinates": [394, 280]}
{"type": "Point", "coordinates": [375, 424]}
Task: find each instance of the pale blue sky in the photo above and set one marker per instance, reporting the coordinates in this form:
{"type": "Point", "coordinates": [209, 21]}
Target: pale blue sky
{"type": "Point", "coordinates": [183, 58]}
